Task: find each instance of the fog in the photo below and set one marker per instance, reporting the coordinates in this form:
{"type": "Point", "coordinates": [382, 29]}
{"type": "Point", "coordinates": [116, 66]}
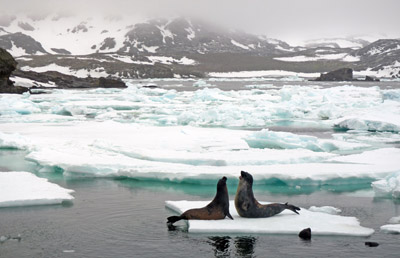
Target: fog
{"type": "Point", "coordinates": [291, 20]}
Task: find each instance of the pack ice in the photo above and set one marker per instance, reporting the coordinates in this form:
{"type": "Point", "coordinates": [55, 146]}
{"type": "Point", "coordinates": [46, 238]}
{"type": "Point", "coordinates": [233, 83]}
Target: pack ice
{"type": "Point", "coordinates": [204, 134]}
{"type": "Point", "coordinates": [25, 189]}
{"type": "Point", "coordinates": [286, 222]}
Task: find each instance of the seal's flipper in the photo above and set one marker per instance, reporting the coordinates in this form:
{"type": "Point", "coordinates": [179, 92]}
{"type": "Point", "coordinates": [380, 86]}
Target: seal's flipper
{"type": "Point", "coordinates": [292, 208]}
{"type": "Point", "coordinates": [173, 219]}
{"type": "Point", "coordinates": [229, 216]}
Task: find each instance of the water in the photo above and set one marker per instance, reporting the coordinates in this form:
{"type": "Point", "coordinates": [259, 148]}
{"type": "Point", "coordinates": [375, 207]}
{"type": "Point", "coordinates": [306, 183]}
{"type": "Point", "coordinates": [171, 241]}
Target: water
{"type": "Point", "coordinates": [125, 217]}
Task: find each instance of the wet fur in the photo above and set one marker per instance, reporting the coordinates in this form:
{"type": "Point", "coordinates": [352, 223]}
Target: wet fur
{"type": "Point", "coordinates": [217, 209]}
{"type": "Point", "coordinates": [247, 206]}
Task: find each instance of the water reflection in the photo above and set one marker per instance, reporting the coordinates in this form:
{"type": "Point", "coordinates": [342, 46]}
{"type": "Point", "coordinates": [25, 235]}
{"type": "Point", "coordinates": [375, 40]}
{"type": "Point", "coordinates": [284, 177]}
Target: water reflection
{"type": "Point", "coordinates": [245, 246]}
{"type": "Point", "coordinates": [220, 245]}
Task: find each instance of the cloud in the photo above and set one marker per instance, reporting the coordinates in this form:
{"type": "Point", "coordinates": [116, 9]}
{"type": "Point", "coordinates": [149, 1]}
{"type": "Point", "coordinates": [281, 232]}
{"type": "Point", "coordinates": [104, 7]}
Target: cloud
{"type": "Point", "coordinates": [287, 19]}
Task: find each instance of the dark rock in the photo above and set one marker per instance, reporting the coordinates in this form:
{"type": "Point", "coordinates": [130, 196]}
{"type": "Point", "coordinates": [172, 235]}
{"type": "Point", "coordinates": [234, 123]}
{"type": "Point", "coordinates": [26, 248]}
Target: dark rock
{"type": "Point", "coordinates": [343, 74]}
{"type": "Point", "coordinates": [20, 40]}
{"type": "Point", "coordinates": [69, 81]}
{"type": "Point", "coordinates": [305, 234]}
{"type": "Point", "coordinates": [7, 66]}
{"type": "Point", "coordinates": [371, 79]}
{"type": "Point", "coordinates": [372, 244]}
{"type": "Point", "coordinates": [108, 43]}
{"type": "Point", "coordinates": [61, 51]}
{"type": "Point", "coordinates": [25, 26]}
{"type": "Point", "coordinates": [80, 28]}
{"type": "Point", "coordinates": [110, 83]}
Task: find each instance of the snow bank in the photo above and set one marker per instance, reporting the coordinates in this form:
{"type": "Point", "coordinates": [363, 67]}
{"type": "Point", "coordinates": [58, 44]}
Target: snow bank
{"type": "Point", "coordinates": [286, 222]}
{"type": "Point", "coordinates": [25, 189]}
{"type": "Point", "coordinates": [389, 186]}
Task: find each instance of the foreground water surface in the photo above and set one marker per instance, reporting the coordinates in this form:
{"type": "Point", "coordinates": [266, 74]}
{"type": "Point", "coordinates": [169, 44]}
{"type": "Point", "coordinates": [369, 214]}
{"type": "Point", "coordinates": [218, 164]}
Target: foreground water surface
{"type": "Point", "coordinates": [193, 135]}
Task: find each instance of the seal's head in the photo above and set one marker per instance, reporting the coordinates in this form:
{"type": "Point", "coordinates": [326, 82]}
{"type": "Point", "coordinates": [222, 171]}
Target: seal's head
{"type": "Point", "coordinates": [246, 177]}
{"type": "Point", "coordinates": [221, 183]}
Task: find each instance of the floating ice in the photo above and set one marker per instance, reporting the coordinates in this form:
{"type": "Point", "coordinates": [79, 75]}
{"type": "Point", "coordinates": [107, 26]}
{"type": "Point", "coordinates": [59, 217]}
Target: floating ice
{"type": "Point", "coordinates": [284, 223]}
{"type": "Point", "coordinates": [391, 229]}
{"type": "Point", "coordinates": [391, 124]}
{"type": "Point", "coordinates": [13, 141]}
{"type": "Point", "coordinates": [25, 189]}
{"type": "Point", "coordinates": [201, 83]}
{"type": "Point", "coordinates": [389, 186]}
{"type": "Point", "coordinates": [182, 153]}
{"type": "Point", "coordinates": [325, 209]}
{"type": "Point", "coordinates": [394, 220]}
{"type": "Point", "coordinates": [17, 105]}
{"type": "Point", "coordinates": [283, 140]}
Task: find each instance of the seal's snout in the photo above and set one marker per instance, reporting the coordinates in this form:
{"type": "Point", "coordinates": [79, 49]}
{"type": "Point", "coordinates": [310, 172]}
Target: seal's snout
{"type": "Point", "coordinates": [224, 178]}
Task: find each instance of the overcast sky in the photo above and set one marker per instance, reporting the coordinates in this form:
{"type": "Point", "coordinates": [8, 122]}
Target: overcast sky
{"type": "Point", "coordinates": [290, 20]}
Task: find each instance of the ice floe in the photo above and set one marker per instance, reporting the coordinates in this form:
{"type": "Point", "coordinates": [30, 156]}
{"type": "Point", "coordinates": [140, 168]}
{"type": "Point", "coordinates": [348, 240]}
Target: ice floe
{"type": "Point", "coordinates": [25, 189]}
{"type": "Point", "coordinates": [325, 209]}
{"type": "Point", "coordinates": [182, 153]}
{"type": "Point", "coordinates": [389, 186]}
{"type": "Point", "coordinates": [391, 229]}
{"type": "Point", "coordinates": [284, 223]}
{"type": "Point", "coordinates": [208, 133]}
{"type": "Point", "coordinates": [283, 140]}
{"type": "Point", "coordinates": [394, 220]}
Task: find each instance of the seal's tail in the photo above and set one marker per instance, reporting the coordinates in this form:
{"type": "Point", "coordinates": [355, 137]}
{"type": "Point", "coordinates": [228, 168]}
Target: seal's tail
{"type": "Point", "coordinates": [173, 219]}
{"type": "Point", "coordinates": [292, 208]}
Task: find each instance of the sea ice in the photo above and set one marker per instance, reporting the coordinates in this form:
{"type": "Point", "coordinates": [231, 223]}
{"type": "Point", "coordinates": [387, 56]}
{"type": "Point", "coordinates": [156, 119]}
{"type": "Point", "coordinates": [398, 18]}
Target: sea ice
{"type": "Point", "coordinates": [391, 229]}
{"type": "Point", "coordinates": [283, 140]}
{"type": "Point", "coordinates": [286, 222]}
{"type": "Point", "coordinates": [394, 220]}
{"type": "Point", "coordinates": [325, 209]}
{"type": "Point", "coordinates": [390, 185]}
{"type": "Point", "coordinates": [25, 189]}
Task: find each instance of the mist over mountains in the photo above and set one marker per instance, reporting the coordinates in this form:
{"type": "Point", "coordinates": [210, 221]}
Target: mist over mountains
{"type": "Point", "coordinates": [133, 47]}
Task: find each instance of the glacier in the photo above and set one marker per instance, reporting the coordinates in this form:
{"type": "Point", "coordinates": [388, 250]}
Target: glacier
{"type": "Point", "coordinates": [284, 223]}
{"type": "Point", "coordinates": [20, 188]}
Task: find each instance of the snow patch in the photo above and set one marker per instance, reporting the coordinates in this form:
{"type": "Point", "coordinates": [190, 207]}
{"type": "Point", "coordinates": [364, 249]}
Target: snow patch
{"type": "Point", "coordinates": [239, 45]}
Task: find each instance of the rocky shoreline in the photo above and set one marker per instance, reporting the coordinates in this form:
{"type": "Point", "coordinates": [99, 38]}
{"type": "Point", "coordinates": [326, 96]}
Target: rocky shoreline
{"type": "Point", "coordinates": [8, 67]}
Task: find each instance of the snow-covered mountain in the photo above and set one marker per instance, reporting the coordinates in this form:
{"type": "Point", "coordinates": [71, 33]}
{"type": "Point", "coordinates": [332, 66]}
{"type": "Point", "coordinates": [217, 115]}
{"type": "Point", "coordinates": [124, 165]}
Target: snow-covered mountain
{"type": "Point", "coordinates": [131, 47]}
{"type": "Point", "coordinates": [82, 36]}
{"type": "Point", "coordinates": [350, 42]}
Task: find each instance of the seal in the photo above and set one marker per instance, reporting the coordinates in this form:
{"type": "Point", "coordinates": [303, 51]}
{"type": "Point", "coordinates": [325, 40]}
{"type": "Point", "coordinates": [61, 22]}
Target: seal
{"type": "Point", "coordinates": [247, 206]}
{"type": "Point", "coordinates": [217, 209]}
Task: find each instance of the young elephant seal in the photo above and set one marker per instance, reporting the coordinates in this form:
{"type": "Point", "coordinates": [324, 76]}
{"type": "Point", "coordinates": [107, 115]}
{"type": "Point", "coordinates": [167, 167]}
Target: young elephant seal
{"type": "Point", "coordinates": [247, 206]}
{"type": "Point", "coordinates": [217, 209]}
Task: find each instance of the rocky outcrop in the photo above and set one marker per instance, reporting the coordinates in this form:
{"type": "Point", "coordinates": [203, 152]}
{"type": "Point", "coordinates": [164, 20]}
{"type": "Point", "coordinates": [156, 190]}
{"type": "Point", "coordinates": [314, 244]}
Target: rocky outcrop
{"type": "Point", "coordinates": [69, 81]}
{"type": "Point", "coordinates": [22, 41]}
{"type": "Point", "coordinates": [343, 74]}
{"type": "Point", "coordinates": [7, 66]}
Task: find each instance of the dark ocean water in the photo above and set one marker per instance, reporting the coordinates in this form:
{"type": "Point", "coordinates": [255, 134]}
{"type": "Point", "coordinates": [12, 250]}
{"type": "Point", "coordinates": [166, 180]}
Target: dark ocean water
{"type": "Point", "coordinates": [126, 217]}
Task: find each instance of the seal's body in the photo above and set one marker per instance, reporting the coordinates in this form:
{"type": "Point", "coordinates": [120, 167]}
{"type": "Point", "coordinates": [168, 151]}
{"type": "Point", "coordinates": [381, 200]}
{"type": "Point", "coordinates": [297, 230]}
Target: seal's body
{"type": "Point", "coordinates": [247, 206]}
{"type": "Point", "coordinates": [217, 209]}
